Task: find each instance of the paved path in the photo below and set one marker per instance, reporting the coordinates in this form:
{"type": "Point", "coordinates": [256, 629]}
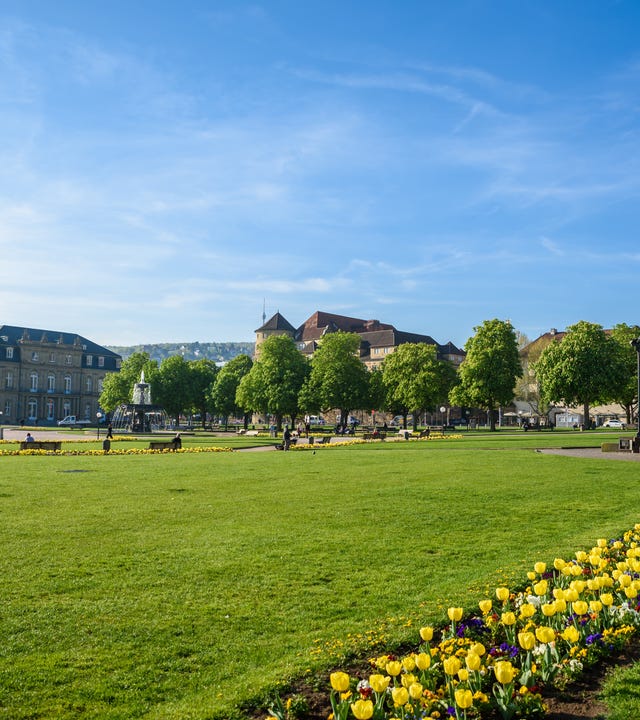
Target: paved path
{"type": "Point", "coordinates": [592, 453]}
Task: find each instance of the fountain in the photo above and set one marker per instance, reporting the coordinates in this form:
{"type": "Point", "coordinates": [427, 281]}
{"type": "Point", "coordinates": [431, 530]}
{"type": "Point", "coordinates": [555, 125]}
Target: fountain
{"type": "Point", "coordinates": [140, 415]}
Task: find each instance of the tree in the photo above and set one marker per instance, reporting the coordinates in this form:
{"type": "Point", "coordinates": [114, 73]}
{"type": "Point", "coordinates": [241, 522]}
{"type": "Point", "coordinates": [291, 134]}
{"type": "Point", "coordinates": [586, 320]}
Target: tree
{"type": "Point", "coordinates": [627, 395]}
{"type": "Point", "coordinates": [202, 376]}
{"type": "Point", "coordinates": [273, 383]}
{"type": "Point", "coordinates": [489, 372]}
{"type": "Point", "coordinates": [338, 379]}
{"type": "Point", "coordinates": [222, 395]}
{"type": "Point", "coordinates": [172, 386]}
{"type": "Point", "coordinates": [415, 380]}
{"type": "Point", "coordinates": [583, 368]}
{"type": "Point", "coordinates": [117, 388]}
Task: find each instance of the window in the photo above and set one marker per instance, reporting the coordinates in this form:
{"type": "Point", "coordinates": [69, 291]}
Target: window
{"type": "Point", "coordinates": [87, 411]}
{"type": "Point", "coordinates": [89, 360]}
{"type": "Point", "coordinates": [32, 406]}
{"type": "Point", "coordinates": [66, 408]}
{"type": "Point", "coordinates": [68, 360]}
{"type": "Point", "coordinates": [100, 362]}
{"type": "Point", "coordinates": [7, 408]}
{"type": "Point", "coordinates": [100, 382]}
{"type": "Point", "coordinates": [9, 353]}
{"type": "Point", "coordinates": [8, 381]}
{"type": "Point", "coordinates": [89, 384]}
{"type": "Point", "coordinates": [52, 357]}
{"type": "Point", "coordinates": [34, 382]}
{"type": "Point", "coordinates": [67, 384]}
{"type": "Point", "coordinates": [34, 356]}
{"type": "Point", "coordinates": [50, 407]}
{"type": "Point", "coordinates": [51, 383]}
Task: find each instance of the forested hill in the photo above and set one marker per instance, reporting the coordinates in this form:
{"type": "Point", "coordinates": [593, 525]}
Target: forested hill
{"type": "Point", "coordinates": [216, 351]}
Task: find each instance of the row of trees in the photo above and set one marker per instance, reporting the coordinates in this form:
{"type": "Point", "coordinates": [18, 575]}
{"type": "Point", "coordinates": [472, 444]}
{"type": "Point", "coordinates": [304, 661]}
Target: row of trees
{"type": "Point", "coordinates": [588, 366]}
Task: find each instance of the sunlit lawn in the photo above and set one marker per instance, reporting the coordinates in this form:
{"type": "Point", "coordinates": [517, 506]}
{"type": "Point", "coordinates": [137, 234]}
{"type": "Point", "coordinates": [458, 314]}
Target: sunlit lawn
{"type": "Point", "coordinates": [183, 586]}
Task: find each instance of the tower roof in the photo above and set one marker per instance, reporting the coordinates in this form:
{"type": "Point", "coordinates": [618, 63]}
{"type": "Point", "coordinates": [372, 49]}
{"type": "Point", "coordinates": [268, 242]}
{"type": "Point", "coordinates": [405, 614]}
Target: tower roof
{"type": "Point", "coordinates": [277, 322]}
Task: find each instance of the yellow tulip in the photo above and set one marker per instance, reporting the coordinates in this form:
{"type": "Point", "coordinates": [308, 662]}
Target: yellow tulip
{"type": "Point", "coordinates": [394, 668]}
{"type": "Point", "coordinates": [504, 672]}
{"type": "Point", "coordinates": [508, 618]}
{"type": "Point", "coordinates": [527, 640]}
{"type": "Point", "coordinates": [595, 606]}
{"type": "Point", "coordinates": [571, 635]}
{"type": "Point", "coordinates": [527, 610]}
{"type": "Point", "coordinates": [379, 683]}
{"type": "Point", "coordinates": [409, 663]}
{"type": "Point", "coordinates": [580, 607]}
{"type": "Point", "coordinates": [601, 542]}
{"type": "Point", "coordinates": [339, 681]}
{"type": "Point", "coordinates": [485, 606]}
{"type": "Point", "coordinates": [415, 691]}
{"type": "Point", "coordinates": [571, 594]}
{"type": "Point", "coordinates": [478, 648]}
{"type": "Point", "coordinates": [558, 593]}
{"type": "Point", "coordinates": [455, 614]}
{"type": "Point", "coordinates": [531, 575]}
{"type": "Point", "coordinates": [630, 592]}
{"type": "Point", "coordinates": [606, 599]}
{"type": "Point", "coordinates": [581, 556]}
{"type": "Point", "coordinates": [540, 588]}
{"type": "Point", "coordinates": [545, 634]}
{"type": "Point", "coordinates": [624, 580]}
{"type": "Point", "coordinates": [502, 593]}
{"type": "Point", "coordinates": [400, 695]}
{"type": "Point", "coordinates": [559, 563]}
{"type": "Point", "coordinates": [578, 585]}
{"type": "Point", "coordinates": [408, 680]}
{"type": "Point", "coordinates": [540, 567]}
{"type": "Point", "coordinates": [464, 698]}
{"type": "Point", "coordinates": [451, 665]}
{"type": "Point", "coordinates": [548, 609]}
{"type": "Point", "coordinates": [560, 605]}
{"type": "Point", "coordinates": [473, 661]}
{"type": "Point", "coordinates": [362, 709]}
{"type": "Point", "coordinates": [423, 661]}
{"type": "Point", "coordinates": [463, 674]}
{"type": "Point", "coordinates": [576, 570]}
{"type": "Point", "coordinates": [426, 633]}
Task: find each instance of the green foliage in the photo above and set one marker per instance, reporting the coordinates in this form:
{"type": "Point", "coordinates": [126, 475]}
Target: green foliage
{"type": "Point", "coordinates": [627, 393]}
{"type": "Point", "coordinates": [273, 383]}
{"type": "Point", "coordinates": [223, 393]}
{"type": "Point", "coordinates": [208, 579]}
{"type": "Point", "coordinates": [584, 368]}
{"type": "Point", "coordinates": [202, 376]}
{"type": "Point", "coordinates": [117, 388]}
{"type": "Point", "coordinates": [415, 380]}
{"type": "Point", "coordinates": [338, 378]}
{"type": "Point", "coordinates": [171, 386]}
{"type": "Point", "coordinates": [489, 372]}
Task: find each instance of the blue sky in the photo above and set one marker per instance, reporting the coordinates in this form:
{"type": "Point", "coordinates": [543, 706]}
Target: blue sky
{"type": "Point", "coordinates": [168, 167]}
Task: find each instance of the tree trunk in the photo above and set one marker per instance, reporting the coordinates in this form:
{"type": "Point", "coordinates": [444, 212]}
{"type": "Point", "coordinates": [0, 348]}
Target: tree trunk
{"type": "Point", "coordinates": [492, 419]}
{"type": "Point", "coordinates": [586, 422]}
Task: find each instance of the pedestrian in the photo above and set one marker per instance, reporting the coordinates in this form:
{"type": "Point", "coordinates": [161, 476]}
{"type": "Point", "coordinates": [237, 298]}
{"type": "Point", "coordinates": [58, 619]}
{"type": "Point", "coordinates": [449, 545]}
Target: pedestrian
{"type": "Point", "coordinates": [29, 438]}
{"type": "Point", "coordinates": [177, 442]}
{"type": "Point", "coordinates": [110, 432]}
{"type": "Point", "coordinates": [286, 438]}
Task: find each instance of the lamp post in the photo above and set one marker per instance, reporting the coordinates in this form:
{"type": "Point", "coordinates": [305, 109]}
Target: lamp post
{"type": "Point", "coordinates": [98, 418]}
{"type": "Point", "coordinates": [636, 344]}
{"type": "Point", "coordinates": [443, 410]}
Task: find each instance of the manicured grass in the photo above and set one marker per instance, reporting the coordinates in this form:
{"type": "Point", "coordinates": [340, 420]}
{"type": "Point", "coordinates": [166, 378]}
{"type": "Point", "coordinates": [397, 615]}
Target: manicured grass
{"type": "Point", "coordinates": [181, 586]}
{"type": "Point", "coordinates": [621, 693]}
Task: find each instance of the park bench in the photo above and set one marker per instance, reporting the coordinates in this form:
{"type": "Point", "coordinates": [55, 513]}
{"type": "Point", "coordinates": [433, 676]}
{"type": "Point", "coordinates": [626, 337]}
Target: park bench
{"type": "Point", "coordinates": [162, 445]}
{"type": "Point", "coordinates": [49, 445]}
{"type": "Point", "coordinates": [374, 436]}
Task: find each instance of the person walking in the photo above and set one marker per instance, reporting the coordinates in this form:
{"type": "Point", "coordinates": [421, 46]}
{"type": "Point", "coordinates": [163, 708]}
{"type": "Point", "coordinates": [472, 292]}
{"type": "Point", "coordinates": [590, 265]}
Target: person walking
{"type": "Point", "coordinates": [286, 438]}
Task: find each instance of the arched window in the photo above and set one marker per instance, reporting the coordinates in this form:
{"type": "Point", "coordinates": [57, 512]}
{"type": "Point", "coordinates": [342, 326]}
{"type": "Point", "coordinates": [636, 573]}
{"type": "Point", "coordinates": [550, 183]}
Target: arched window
{"type": "Point", "coordinates": [51, 383]}
{"type": "Point", "coordinates": [34, 381]}
{"type": "Point", "coordinates": [67, 384]}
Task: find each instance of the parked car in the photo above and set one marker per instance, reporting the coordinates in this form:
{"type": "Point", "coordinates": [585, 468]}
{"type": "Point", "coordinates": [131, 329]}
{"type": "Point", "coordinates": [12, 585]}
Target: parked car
{"type": "Point", "coordinates": [316, 420]}
{"type": "Point", "coordinates": [398, 420]}
{"type": "Point", "coordinates": [72, 421]}
{"type": "Point", "coordinates": [613, 424]}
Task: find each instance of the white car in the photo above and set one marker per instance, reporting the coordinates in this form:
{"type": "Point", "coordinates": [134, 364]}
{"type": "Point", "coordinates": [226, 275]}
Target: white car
{"type": "Point", "coordinates": [613, 424]}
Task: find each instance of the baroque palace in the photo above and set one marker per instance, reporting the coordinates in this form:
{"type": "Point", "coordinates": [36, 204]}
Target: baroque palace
{"type": "Point", "coordinates": [377, 339]}
{"type": "Point", "coordinates": [46, 375]}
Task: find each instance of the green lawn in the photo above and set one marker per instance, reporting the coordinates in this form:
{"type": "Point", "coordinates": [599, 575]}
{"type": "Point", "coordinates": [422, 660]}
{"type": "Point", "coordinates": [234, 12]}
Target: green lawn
{"type": "Point", "coordinates": [181, 586]}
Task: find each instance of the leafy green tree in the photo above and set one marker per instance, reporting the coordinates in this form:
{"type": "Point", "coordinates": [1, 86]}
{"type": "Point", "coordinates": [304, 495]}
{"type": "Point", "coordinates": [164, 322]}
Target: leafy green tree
{"type": "Point", "coordinates": [172, 386]}
{"type": "Point", "coordinates": [202, 376]}
{"type": "Point", "coordinates": [627, 395]}
{"type": "Point", "coordinates": [273, 383]}
{"type": "Point", "coordinates": [338, 378]}
{"type": "Point", "coordinates": [489, 372]}
{"type": "Point", "coordinates": [583, 368]}
{"type": "Point", "coordinates": [117, 388]}
{"type": "Point", "coordinates": [415, 380]}
{"type": "Point", "coordinates": [222, 395]}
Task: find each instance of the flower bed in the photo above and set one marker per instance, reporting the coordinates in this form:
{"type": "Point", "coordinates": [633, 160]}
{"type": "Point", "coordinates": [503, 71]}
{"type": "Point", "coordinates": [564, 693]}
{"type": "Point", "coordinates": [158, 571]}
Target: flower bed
{"type": "Point", "coordinates": [130, 451]}
{"type": "Point", "coordinates": [499, 661]}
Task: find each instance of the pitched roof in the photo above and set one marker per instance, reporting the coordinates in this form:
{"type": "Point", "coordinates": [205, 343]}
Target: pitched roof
{"type": "Point", "coordinates": [14, 335]}
{"type": "Point", "coordinates": [277, 322]}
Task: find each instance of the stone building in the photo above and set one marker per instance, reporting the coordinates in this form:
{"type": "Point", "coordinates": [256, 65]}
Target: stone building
{"type": "Point", "coordinates": [377, 339]}
{"type": "Point", "coordinates": [46, 375]}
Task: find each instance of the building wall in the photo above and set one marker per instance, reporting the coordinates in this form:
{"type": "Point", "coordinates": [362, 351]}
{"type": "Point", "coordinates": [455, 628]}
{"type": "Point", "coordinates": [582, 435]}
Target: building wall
{"type": "Point", "coordinates": [42, 380]}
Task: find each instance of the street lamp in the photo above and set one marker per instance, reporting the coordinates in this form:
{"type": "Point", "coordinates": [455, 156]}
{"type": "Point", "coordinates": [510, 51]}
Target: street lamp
{"type": "Point", "coordinates": [98, 418]}
{"type": "Point", "coordinates": [443, 410]}
{"type": "Point", "coordinates": [636, 344]}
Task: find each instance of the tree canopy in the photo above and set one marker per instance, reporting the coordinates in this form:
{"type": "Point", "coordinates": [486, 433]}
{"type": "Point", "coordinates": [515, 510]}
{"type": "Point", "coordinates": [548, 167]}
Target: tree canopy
{"type": "Point", "coordinates": [338, 379]}
{"type": "Point", "coordinates": [117, 388]}
{"type": "Point", "coordinates": [489, 372]}
{"type": "Point", "coordinates": [585, 367]}
{"type": "Point", "coordinates": [273, 383]}
{"type": "Point", "coordinates": [415, 380]}
{"type": "Point", "coordinates": [627, 393]}
{"type": "Point", "coordinates": [222, 394]}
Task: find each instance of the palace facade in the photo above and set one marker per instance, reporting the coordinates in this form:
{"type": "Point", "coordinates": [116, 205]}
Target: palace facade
{"type": "Point", "coordinates": [46, 375]}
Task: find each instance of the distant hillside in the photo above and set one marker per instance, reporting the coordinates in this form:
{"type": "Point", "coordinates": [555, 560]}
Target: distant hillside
{"type": "Point", "coordinates": [216, 351]}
